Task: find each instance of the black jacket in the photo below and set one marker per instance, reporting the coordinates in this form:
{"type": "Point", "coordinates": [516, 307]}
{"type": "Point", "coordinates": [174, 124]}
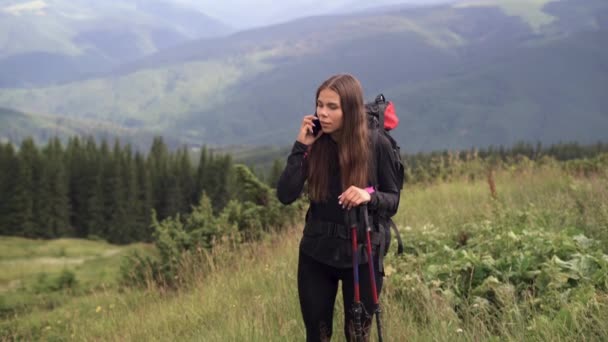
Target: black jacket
{"type": "Point", "coordinates": [385, 199]}
{"type": "Point", "coordinates": [335, 250]}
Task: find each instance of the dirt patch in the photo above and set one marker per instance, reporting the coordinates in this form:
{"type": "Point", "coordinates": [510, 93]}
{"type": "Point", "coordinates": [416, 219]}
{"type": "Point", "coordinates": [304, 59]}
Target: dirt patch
{"type": "Point", "coordinates": [110, 253]}
{"type": "Point", "coordinates": [13, 284]}
{"type": "Point", "coordinates": [54, 261]}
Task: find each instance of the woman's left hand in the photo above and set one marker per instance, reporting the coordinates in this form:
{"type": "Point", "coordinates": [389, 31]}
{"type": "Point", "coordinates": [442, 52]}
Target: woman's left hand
{"type": "Point", "coordinates": [353, 196]}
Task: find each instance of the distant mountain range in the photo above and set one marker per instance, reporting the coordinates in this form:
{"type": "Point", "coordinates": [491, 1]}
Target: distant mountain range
{"type": "Point", "coordinates": [474, 73]}
{"type": "Point", "coordinates": [50, 41]}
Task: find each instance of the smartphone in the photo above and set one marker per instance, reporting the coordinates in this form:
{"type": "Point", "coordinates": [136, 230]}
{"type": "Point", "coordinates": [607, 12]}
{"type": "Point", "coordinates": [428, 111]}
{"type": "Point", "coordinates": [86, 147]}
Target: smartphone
{"type": "Point", "coordinates": [317, 127]}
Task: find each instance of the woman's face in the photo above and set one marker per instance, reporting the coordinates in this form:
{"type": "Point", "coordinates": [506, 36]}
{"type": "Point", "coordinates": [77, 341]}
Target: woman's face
{"type": "Point", "coordinates": [329, 111]}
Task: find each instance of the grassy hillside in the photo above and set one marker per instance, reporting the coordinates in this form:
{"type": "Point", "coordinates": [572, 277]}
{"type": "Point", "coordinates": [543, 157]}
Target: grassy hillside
{"type": "Point", "coordinates": [537, 220]}
{"type": "Point", "coordinates": [16, 126]}
{"type": "Point", "coordinates": [149, 97]}
{"type": "Point", "coordinates": [529, 10]}
{"type": "Point", "coordinates": [471, 74]}
{"type": "Point", "coordinates": [41, 275]}
{"type": "Point", "coordinates": [94, 263]}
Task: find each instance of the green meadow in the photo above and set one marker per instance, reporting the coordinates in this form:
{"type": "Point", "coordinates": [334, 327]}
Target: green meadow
{"type": "Point", "coordinates": [519, 255]}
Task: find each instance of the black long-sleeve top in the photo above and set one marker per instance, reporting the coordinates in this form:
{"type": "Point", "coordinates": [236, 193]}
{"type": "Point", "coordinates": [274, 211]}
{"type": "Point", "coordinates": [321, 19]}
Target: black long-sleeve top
{"type": "Point", "coordinates": [384, 200]}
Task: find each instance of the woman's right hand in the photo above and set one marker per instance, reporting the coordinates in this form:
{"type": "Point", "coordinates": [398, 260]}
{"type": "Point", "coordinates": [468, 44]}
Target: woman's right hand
{"type": "Point", "coordinates": [305, 136]}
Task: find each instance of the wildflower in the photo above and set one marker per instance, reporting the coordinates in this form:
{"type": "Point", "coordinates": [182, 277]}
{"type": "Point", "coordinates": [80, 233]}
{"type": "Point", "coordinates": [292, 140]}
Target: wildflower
{"type": "Point", "coordinates": [388, 270]}
{"type": "Point", "coordinates": [98, 310]}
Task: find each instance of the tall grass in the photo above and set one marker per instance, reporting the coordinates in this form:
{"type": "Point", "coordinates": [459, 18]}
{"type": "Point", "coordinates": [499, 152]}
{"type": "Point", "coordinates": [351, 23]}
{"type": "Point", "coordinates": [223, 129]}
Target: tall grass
{"type": "Point", "coordinates": [249, 293]}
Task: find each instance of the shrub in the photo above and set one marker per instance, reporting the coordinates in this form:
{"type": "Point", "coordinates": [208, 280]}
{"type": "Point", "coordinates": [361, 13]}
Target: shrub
{"type": "Point", "coordinates": [66, 280]}
{"type": "Point", "coordinates": [254, 212]}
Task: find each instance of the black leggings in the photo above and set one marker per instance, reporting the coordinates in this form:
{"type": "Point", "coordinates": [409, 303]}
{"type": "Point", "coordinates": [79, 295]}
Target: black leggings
{"type": "Point", "coordinates": [317, 288]}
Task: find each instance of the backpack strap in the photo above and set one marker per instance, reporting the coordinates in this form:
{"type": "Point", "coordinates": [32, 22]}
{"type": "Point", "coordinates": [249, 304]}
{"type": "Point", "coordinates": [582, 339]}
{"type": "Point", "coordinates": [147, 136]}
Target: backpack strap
{"type": "Point", "coordinates": [399, 241]}
{"type": "Point", "coordinates": [381, 103]}
{"type": "Point", "coordinates": [375, 131]}
{"type": "Point", "coordinates": [374, 178]}
{"type": "Point", "coordinates": [376, 158]}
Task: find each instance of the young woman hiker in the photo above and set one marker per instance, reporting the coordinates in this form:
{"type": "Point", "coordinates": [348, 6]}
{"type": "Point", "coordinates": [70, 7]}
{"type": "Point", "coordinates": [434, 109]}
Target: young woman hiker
{"type": "Point", "coordinates": [336, 165]}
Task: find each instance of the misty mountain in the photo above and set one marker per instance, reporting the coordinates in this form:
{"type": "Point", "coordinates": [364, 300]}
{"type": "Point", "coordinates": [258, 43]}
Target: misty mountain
{"type": "Point", "coordinates": [54, 41]}
{"type": "Point", "coordinates": [246, 14]}
{"type": "Point", "coordinates": [468, 74]}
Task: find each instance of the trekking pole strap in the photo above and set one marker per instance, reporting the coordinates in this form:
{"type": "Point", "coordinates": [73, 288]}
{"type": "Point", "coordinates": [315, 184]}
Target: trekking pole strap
{"type": "Point", "coordinates": [399, 241]}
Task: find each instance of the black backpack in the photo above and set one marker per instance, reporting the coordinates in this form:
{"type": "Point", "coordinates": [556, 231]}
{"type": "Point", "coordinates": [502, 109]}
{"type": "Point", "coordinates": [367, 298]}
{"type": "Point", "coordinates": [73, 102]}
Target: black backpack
{"type": "Point", "coordinates": [381, 120]}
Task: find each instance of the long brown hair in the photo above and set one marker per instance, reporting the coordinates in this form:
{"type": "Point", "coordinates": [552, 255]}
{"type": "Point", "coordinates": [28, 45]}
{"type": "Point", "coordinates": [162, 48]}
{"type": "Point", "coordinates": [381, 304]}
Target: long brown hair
{"type": "Point", "coordinates": [353, 148]}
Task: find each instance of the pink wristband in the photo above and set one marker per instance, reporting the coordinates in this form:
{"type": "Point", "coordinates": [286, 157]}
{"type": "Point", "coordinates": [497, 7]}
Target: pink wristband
{"type": "Point", "coordinates": [370, 190]}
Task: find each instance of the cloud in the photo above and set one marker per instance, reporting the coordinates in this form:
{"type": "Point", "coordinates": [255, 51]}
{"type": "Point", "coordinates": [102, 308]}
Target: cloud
{"type": "Point", "coordinates": [35, 7]}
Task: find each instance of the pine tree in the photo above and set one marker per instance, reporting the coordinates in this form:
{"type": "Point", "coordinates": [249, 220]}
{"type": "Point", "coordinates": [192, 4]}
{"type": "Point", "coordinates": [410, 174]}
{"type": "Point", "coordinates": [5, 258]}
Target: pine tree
{"type": "Point", "coordinates": [115, 205]}
{"type": "Point", "coordinates": [250, 188]}
{"type": "Point", "coordinates": [186, 180]}
{"type": "Point", "coordinates": [58, 210]}
{"type": "Point", "coordinates": [22, 205]}
{"type": "Point", "coordinates": [93, 193]}
{"type": "Point", "coordinates": [173, 190]}
{"type": "Point", "coordinates": [275, 173]}
{"type": "Point", "coordinates": [8, 175]}
{"type": "Point", "coordinates": [75, 160]}
{"type": "Point", "coordinates": [158, 164]}
{"type": "Point", "coordinates": [143, 209]}
{"type": "Point", "coordinates": [220, 180]}
{"type": "Point", "coordinates": [201, 174]}
{"type": "Point", "coordinates": [107, 180]}
{"type": "Point", "coordinates": [129, 180]}
{"type": "Point", "coordinates": [42, 196]}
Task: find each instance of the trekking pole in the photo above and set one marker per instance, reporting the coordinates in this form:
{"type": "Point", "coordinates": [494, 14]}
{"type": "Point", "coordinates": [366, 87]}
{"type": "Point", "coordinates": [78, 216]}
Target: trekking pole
{"type": "Point", "coordinates": [372, 274]}
{"type": "Point", "coordinates": [357, 308]}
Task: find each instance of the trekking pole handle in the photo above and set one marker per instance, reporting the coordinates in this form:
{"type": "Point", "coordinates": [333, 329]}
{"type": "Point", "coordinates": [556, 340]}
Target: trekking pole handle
{"type": "Point", "coordinates": [350, 218]}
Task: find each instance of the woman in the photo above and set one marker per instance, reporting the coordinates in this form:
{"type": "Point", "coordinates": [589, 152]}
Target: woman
{"type": "Point", "coordinates": [336, 164]}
